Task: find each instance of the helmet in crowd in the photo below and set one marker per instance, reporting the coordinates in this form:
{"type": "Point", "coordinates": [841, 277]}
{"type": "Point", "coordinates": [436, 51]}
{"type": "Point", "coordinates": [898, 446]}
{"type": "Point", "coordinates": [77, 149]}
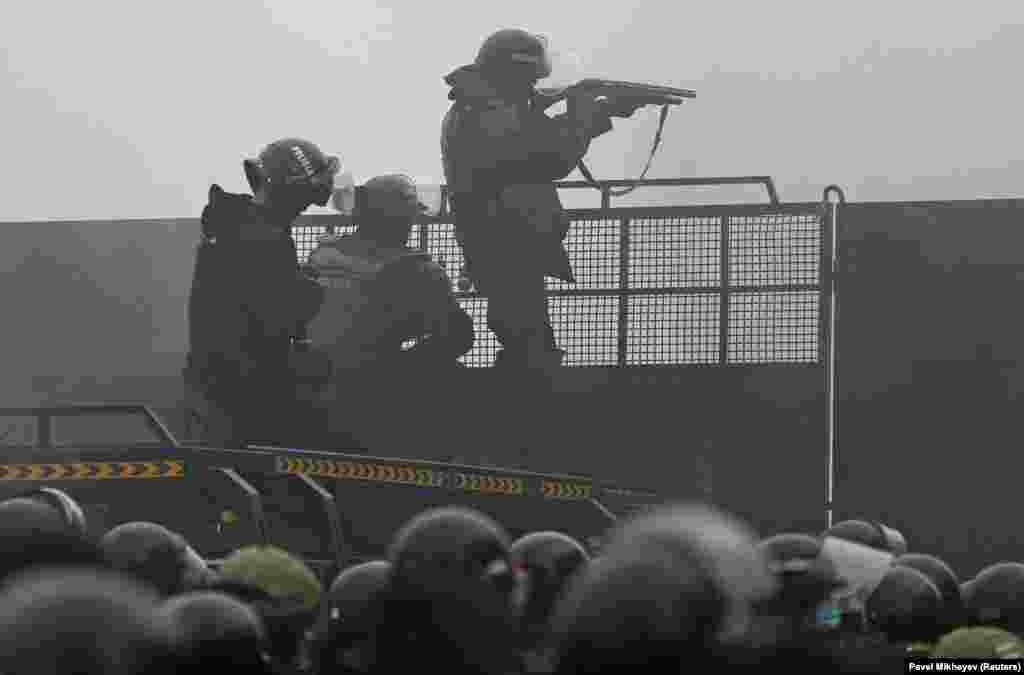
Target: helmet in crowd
{"type": "Point", "coordinates": [996, 597]}
{"type": "Point", "coordinates": [455, 589]}
{"type": "Point", "coordinates": [281, 575]}
{"type": "Point", "coordinates": [216, 631]}
{"type": "Point", "coordinates": [294, 590]}
{"type": "Point", "coordinates": [515, 49]}
{"type": "Point", "coordinates": [944, 578]}
{"type": "Point", "coordinates": [352, 617]}
{"type": "Point", "coordinates": [81, 621]}
{"type": "Point", "coordinates": [906, 607]}
{"type": "Point", "coordinates": [156, 555]}
{"type": "Point", "coordinates": [979, 643]}
{"type": "Point", "coordinates": [547, 561]}
{"type": "Point", "coordinates": [641, 607]}
{"type": "Point", "coordinates": [806, 577]}
{"type": "Point", "coordinates": [295, 166]}
{"type": "Point", "coordinates": [451, 540]}
{"type": "Point", "coordinates": [875, 535]}
{"type": "Point", "coordinates": [46, 509]}
{"type": "Point", "coordinates": [355, 588]}
{"type": "Point", "coordinates": [723, 547]}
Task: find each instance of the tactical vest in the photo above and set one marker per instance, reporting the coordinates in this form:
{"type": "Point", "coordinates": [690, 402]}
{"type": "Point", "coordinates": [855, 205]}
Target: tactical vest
{"type": "Point", "coordinates": [348, 269]}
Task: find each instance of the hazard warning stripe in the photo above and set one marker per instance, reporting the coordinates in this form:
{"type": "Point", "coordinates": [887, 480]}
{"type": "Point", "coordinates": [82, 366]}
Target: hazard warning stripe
{"type": "Point", "coordinates": [565, 490]}
{"type": "Point", "coordinates": [93, 471]}
{"type": "Point", "coordinates": [488, 484]}
{"type": "Point", "coordinates": [381, 473]}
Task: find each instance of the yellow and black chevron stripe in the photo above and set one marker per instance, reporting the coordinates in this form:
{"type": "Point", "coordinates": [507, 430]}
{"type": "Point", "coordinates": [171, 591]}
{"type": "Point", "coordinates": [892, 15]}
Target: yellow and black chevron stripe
{"type": "Point", "coordinates": [490, 485]}
{"type": "Point", "coordinates": [93, 471]}
{"type": "Point", "coordinates": [382, 473]}
{"type": "Point", "coordinates": [553, 489]}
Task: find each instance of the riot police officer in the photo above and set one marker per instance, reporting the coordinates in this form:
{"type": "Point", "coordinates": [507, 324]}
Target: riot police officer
{"type": "Point", "coordinates": [249, 300]}
{"type": "Point", "coordinates": [501, 154]}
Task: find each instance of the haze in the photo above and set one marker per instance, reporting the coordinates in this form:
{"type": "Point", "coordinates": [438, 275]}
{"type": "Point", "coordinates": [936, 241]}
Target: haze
{"type": "Point", "coordinates": [130, 109]}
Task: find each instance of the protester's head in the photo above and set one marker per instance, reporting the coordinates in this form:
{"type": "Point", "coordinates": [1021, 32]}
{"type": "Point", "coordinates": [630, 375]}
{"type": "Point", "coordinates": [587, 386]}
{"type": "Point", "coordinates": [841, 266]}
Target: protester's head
{"type": "Point", "coordinates": [37, 530]}
{"type": "Point", "coordinates": [54, 622]}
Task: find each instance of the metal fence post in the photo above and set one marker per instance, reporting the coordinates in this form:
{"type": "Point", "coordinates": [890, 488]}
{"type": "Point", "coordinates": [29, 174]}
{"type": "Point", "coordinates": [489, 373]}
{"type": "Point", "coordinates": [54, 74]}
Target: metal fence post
{"type": "Point", "coordinates": [723, 298]}
{"type": "Point", "coordinates": [623, 328]}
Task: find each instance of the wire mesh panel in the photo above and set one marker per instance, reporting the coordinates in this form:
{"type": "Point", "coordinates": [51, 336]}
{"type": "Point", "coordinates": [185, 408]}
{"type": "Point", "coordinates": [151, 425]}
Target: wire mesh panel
{"type": "Point", "coordinates": [587, 328]}
{"type": "Point", "coordinates": [674, 252]}
{"type": "Point", "coordinates": [774, 250]}
{"type": "Point", "coordinates": [676, 329]}
{"type": "Point", "coordinates": [649, 288]}
{"type": "Point", "coordinates": [594, 247]}
{"type": "Point", "coordinates": [774, 327]}
{"type": "Point", "coordinates": [486, 345]}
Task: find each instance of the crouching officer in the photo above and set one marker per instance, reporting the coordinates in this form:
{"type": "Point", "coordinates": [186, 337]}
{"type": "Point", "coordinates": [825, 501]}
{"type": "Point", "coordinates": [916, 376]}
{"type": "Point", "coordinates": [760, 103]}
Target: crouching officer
{"type": "Point", "coordinates": [381, 295]}
{"type": "Point", "coordinates": [249, 299]}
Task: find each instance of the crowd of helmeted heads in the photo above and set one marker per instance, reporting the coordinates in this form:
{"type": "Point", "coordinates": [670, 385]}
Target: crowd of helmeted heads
{"type": "Point", "coordinates": [668, 587]}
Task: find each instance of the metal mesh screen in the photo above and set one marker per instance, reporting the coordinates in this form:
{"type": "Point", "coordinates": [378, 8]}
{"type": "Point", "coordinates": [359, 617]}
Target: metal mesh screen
{"type": "Point", "coordinates": [657, 279]}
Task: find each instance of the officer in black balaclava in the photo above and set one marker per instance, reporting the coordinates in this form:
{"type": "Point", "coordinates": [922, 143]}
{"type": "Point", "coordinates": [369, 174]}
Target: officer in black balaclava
{"type": "Point", "coordinates": [250, 301]}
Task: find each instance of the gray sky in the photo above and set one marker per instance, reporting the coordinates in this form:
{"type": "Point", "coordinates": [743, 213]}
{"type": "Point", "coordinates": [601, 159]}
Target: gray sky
{"type": "Point", "coordinates": [118, 109]}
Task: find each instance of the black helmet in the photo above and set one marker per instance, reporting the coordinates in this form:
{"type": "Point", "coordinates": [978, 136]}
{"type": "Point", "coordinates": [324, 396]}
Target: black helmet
{"type": "Point", "coordinates": [996, 597]}
{"type": "Point", "coordinates": [547, 560]}
{"type": "Point", "coordinates": [354, 588]}
{"type": "Point", "coordinates": [352, 617]}
{"type": "Point", "coordinates": [516, 48]}
{"type": "Point", "coordinates": [906, 607]}
{"type": "Point", "coordinates": [214, 629]}
{"type": "Point", "coordinates": [869, 533]}
{"type": "Point", "coordinates": [68, 508]}
{"type": "Point", "coordinates": [451, 540]}
{"type": "Point", "coordinates": [45, 509]}
{"type": "Point", "coordinates": [294, 164]}
{"type": "Point", "coordinates": [943, 576]}
{"type": "Point", "coordinates": [81, 621]}
{"type": "Point", "coordinates": [156, 555]}
{"type": "Point", "coordinates": [454, 588]}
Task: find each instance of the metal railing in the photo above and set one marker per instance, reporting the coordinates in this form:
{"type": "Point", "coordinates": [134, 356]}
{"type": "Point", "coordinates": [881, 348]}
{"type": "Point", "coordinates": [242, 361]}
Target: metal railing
{"type": "Point", "coordinates": [44, 417]}
{"type": "Point", "coordinates": [667, 285]}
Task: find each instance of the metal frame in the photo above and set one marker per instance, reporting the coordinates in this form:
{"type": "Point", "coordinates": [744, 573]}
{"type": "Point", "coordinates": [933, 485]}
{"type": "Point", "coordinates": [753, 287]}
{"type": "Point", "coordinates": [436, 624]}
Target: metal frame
{"type": "Point", "coordinates": [44, 419]}
{"type": "Point", "coordinates": [625, 217]}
